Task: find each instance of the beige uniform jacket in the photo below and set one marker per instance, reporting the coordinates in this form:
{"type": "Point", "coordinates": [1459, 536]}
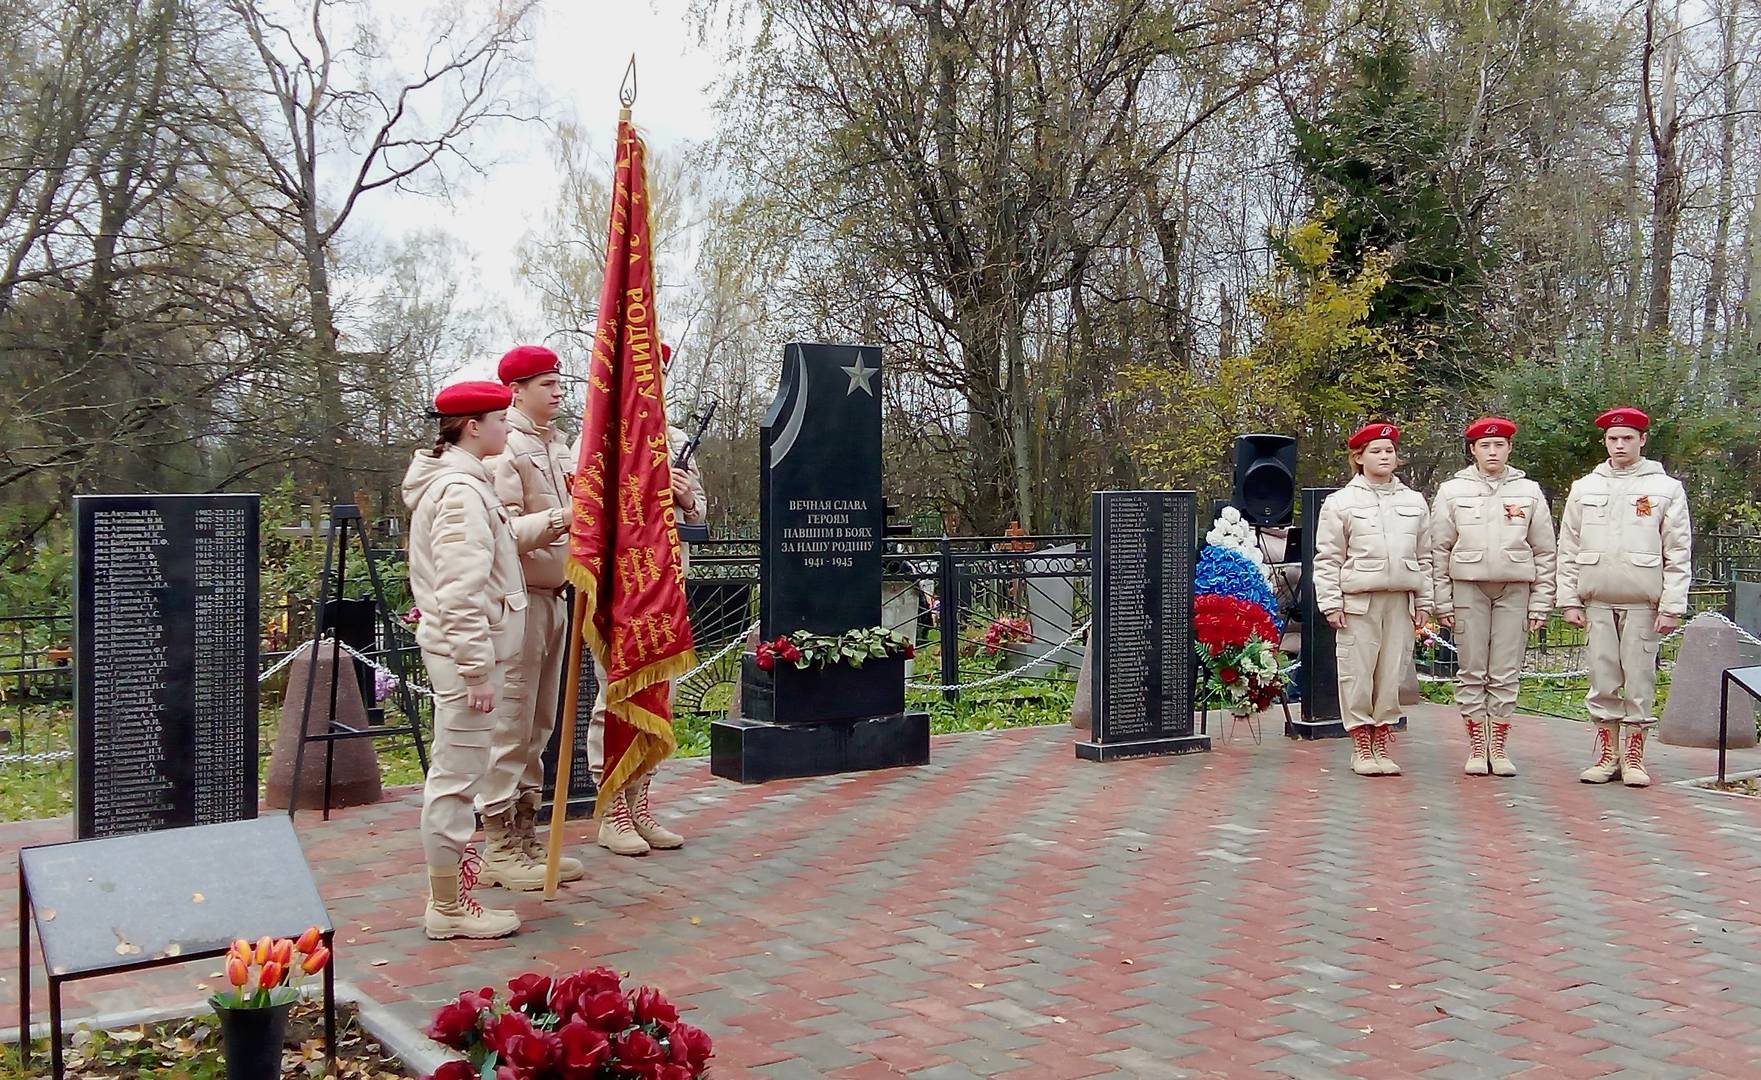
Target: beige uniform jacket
{"type": "Point", "coordinates": [1485, 529]}
{"type": "Point", "coordinates": [532, 481]}
{"type": "Point", "coordinates": [464, 564]}
{"type": "Point", "coordinates": [1625, 540]}
{"type": "Point", "coordinates": [1372, 539]}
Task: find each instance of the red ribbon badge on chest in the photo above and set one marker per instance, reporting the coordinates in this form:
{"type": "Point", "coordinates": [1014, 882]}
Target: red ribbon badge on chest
{"type": "Point", "coordinates": [1515, 512]}
{"type": "Point", "coordinates": [1644, 505]}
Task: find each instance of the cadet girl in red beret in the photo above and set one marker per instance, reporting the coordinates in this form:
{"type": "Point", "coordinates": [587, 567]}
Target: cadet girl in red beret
{"type": "Point", "coordinates": [1492, 551]}
{"type": "Point", "coordinates": [1372, 580]}
{"type": "Point", "coordinates": [466, 581]}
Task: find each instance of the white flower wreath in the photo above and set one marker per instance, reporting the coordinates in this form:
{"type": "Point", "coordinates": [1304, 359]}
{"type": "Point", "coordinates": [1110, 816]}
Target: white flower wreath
{"type": "Point", "coordinates": [1233, 532]}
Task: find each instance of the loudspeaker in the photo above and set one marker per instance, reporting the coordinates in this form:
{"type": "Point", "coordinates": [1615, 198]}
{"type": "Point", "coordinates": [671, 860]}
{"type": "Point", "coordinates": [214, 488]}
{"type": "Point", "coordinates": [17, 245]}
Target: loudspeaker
{"type": "Point", "coordinates": [1265, 478]}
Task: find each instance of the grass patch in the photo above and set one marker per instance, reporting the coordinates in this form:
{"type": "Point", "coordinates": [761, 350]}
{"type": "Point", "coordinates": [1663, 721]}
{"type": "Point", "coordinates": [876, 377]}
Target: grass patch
{"type": "Point", "coordinates": [1750, 785]}
{"type": "Point", "coordinates": [1017, 703]}
{"type": "Point", "coordinates": [29, 791]}
{"type": "Point", "coordinates": [45, 790]}
{"type": "Point", "coordinates": [190, 1050]}
{"type": "Point", "coordinates": [1563, 698]}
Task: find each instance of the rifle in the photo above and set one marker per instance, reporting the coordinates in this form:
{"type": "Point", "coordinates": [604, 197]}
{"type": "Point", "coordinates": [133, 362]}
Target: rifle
{"type": "Point", "coordinates": [687, 532]}
{"type": "Point", "coordinates": [696, 438]}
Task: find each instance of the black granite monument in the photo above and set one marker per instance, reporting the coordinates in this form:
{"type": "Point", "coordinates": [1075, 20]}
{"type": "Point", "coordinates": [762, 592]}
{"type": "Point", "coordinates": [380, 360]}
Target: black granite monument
{"type": "Point", "coordinates": [165, 661]}
{"type": "Point", "coordinates": [821, 531]}
{"type": "Point", "coordinates": [1141, 581]}
{"type": "Point", "coordinates": [1320, 656]}
{"type": "Point", "coordinates": [1320, 664]}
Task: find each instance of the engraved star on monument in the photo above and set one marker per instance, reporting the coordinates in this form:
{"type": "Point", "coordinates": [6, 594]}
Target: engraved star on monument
{"type": "Point", "coordinates": [860, 374]}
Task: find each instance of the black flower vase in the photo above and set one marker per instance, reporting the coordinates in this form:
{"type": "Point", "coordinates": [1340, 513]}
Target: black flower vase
{"type": "Point", "coordinates": [252, 1039]}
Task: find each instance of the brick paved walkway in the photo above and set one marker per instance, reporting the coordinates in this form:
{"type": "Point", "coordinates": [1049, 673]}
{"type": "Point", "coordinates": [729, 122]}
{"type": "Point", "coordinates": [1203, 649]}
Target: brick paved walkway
{"type": "Point", "coordinates": [1257, 911]}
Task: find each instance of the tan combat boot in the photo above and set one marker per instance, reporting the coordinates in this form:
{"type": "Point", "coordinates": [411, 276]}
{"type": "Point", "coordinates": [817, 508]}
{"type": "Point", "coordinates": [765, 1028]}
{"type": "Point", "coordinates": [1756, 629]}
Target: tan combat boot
{"type": "Point", "coordinates": [505, 861]}
{"type": "Point", "coordinates": [1363, 751]}
{"type": "Point", "coordinates": [526, 828]}
{"type": "Point", "coordinates": [658, 836]}
{"type": "Point", "coordinates": [1632, 763]}
{"type": "Point", "coordinates": [617, 832]}
{"type": "Point", "coordinates": [1607, 765]}
{"type": "Point", "coordinates": [1476, 741]}
{"type": "Point", "coordinates": [1379, 744]}
{"type": "Point", "coordinates": [1497, 754]}
{"type": "Point", "coordinates": [452, 913]}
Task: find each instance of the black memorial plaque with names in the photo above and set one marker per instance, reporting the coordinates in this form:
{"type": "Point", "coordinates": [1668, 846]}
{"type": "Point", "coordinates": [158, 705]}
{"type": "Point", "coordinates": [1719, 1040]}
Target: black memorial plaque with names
{"type": "Point", "coordinates": [1142, 567]}
{"type": "Point", "coordinates": [165, 660]}
{"type": "Point", "coordinates": [821, 516]}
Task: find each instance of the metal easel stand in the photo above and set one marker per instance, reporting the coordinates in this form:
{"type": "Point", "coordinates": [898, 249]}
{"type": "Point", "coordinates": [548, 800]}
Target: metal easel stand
{"type": "Point", "coordinates": [330, 590]}
{"type": "Point", "coordinates": [1252, 720]}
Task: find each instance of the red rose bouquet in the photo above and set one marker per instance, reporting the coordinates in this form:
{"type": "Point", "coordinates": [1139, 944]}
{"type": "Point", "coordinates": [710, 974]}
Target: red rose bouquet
{"type": "Point", "coordinates": [1004, 631]}
{"type": "Point", "coordinates": [583, 1026]}
{"type": "Point", "coordinates": [805, 650]}
{"type": "Point", "coordinates": [1237, 643]}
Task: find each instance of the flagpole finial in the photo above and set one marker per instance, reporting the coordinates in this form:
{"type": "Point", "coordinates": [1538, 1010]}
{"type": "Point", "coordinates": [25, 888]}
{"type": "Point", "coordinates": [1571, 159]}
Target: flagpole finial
{"type": "Point", "coordinates": [627, 91]}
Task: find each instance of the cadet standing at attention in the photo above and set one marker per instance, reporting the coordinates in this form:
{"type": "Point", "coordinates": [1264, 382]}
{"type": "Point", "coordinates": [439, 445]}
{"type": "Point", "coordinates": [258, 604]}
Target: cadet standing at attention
{"type": "Point", "coordinates": [532, 481]}
{"type": "Point", "coordinates": [1625, 563]}
{"type": "Point", "coordinates": [1492, 556]}
{"type": "Point", "coordinates": [1372, 577]}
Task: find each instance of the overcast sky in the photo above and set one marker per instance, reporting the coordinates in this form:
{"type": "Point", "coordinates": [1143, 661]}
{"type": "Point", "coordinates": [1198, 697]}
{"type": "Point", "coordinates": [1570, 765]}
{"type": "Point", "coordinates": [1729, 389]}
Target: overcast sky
{"type": "Point", "coordinates": [580, 51]}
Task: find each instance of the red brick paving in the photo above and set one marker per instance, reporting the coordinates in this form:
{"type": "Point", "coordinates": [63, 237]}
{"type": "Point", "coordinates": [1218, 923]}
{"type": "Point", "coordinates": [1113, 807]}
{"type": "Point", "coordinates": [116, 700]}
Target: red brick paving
{"type": "Point", "coordinates": [1012, 910]}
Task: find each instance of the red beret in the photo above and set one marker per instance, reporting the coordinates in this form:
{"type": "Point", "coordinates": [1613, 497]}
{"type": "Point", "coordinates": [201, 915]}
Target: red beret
{"type": "Point", "coordinates": [666, 354]}
{"type": "Point", "coordinates": [1632, 418]}
{"type": "Point", "coordinates": [1369, 433]}
{"type": "Point", "coordinates": [526, 362]}
{"type": "Point", "coordinates": [1490, 427]}
{"type": "Point", "coordinates": [472, 399]}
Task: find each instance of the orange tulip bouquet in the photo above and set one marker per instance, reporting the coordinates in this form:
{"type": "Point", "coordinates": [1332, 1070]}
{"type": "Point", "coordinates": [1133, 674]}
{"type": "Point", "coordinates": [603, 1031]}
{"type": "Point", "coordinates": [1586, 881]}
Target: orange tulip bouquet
{"type": "Point", "coordinates": [269, 972]}
{"type": "Point", "coordinates": [265, 980]}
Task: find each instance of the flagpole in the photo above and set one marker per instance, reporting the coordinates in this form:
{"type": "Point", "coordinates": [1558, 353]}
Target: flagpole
{"type": "Point", "coordinates": [565, 757]}
{"type": "Point", "coordinates": [565, 754]}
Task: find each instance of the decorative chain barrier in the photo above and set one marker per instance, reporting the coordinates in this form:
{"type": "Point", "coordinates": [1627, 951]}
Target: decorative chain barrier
{"type": "Point", "coordinates": [42, 757]}
{"type": "Point", "coordinates": [1583, 673]}
{"type": "Point", "coordinates": [352, 651]}
{"type": "Point", "coordinates": [705, 665]}
{"type": "Point", "coordinates": [1020, 672]}
{"type": "Point", "coordinates": [1075, 635]}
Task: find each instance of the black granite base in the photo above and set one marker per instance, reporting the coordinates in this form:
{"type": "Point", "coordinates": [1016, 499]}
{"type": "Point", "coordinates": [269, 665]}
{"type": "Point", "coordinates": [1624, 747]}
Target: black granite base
{"type": "Point", "coordinates": [753, 751]}
{"type": "Point", "coordinates": [1183, 744]}
{"type": "Point", "coordinates": [791, 695]}
{"type": "Point", "coordinates": [579, 808]}
{"type": "Point", "coordinates": [1324, 729]}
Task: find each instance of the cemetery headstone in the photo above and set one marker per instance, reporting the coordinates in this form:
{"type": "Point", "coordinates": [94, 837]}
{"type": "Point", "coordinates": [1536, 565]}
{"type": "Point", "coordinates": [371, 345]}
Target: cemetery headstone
{"type": "Point", "coordinates": [1746, 605]}
{"type": "Point", "coordinates": [821, 539]}
{"type": "Point", "coordinates": [1142, 567]}
{"type": "Point", "coordinates": [165, 645]}
{"type": "Point", "coordinates": [1051, 614]}
{"type": "Point", "coordinates": [901, 603]}
{"type": "Point", "coordinates": [1690, 717]}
